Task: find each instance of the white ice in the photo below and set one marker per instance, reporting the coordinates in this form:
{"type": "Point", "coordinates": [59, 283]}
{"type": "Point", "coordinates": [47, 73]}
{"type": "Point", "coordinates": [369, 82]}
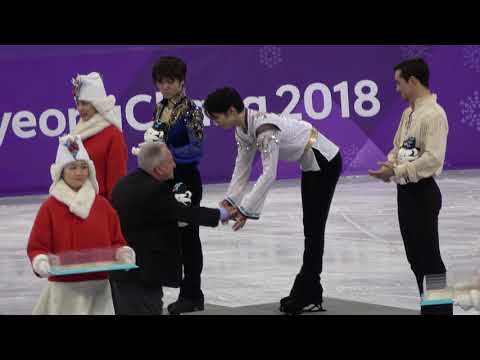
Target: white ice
{"type": "Point", "coordinates": [364, 255]}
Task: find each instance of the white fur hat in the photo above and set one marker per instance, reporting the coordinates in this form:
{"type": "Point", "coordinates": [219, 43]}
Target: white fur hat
{"type": "Point", "coordinates": [71, 149]}
{"type": "Point", "coordinates": [90, 88]}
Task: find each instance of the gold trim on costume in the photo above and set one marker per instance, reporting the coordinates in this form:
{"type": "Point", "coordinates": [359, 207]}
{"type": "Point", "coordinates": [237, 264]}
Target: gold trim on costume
{"type": "Point", "coordinates": [312, 139]}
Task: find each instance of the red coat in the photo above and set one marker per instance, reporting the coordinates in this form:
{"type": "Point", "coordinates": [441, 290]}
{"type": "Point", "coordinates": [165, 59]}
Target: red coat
{"type": "Point", "coordinates": [109, 153]}
{"type": "Point", "coordinates": [56, 230]}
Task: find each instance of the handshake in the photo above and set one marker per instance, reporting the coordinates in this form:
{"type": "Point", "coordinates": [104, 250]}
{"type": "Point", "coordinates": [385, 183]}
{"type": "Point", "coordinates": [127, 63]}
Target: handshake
{"type": "Point", "coordinates": [233, 214]}
{"type": "Point", "coordinates": [227, 212]}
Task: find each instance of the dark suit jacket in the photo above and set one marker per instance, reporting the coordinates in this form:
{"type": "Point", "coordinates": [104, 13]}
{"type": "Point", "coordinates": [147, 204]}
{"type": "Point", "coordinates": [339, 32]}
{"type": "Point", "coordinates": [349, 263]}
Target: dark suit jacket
{"type": "Point", "coordinates": [148, 215]}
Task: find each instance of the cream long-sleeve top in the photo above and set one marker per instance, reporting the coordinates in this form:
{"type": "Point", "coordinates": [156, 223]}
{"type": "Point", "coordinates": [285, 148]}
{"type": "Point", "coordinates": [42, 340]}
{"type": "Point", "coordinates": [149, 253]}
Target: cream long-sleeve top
{"type": "Point", "coordinates": [286, 139]}
{"type": "Point", "coordinates": [426, 126]}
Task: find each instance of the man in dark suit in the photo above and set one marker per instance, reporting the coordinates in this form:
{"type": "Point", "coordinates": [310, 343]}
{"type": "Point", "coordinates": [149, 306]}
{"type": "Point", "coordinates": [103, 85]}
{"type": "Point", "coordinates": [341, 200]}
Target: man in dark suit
{"type": "Point", "coordinates": [150, 214]}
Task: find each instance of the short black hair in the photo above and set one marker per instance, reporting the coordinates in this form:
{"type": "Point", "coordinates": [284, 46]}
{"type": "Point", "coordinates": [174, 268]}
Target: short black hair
{"type": "Point", "coordinates": [169, 67]}
{"type": "Point", "coordinates": [416, 67]}
{"type": "Point", "coordinates": [223, 99]}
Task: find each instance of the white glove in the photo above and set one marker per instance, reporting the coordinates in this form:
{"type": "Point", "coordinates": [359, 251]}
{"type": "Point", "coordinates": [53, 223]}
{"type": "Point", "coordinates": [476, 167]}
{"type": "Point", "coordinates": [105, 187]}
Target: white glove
{"type": "Point", "coordinates": [125, 255]}
{"type": "Point", "coordinates": [469, 300]}
{"type": "Point", "coordinates": [41, 265]}
{"type": "Point", "coordinates": [136, 150]}
{"type": "Point", "coordinates": [152, 135]}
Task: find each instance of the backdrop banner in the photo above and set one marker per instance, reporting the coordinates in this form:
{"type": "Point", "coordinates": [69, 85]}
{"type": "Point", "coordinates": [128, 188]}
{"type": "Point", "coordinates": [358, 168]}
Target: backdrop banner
{"type": "Point", "coordinates": [347, 92]}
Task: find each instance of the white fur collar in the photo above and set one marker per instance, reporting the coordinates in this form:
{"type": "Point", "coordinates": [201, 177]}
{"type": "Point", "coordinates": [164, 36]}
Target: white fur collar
{"type": "Point", "coordinates": [86, 129]}
{"type": "Point", "coordinates": [106, 108]}
{"type": "Point", "coordinates": [79, 203]}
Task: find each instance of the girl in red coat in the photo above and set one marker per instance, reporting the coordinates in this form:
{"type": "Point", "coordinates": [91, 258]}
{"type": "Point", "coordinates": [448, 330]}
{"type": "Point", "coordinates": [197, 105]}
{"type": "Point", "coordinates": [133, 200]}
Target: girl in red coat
{"type": "Point", "coordinates": [100, 130]}
{"type": "Point", "coordinates": [75, 218]}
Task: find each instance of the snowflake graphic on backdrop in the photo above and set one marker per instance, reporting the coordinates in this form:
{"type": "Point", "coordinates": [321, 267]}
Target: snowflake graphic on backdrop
{"type": "Point", "coordinates": [411, 51]}
{"type": "Point", "coordinates": [471, 57]}
{"type": "Point", "coordinates": [349, 153]}
{"type": "Point", "coordinates": [358, 161]}
{"type": "Point", "coordinates": [270, 55]}
{"type": "Point", "coordinates": [470, 109]}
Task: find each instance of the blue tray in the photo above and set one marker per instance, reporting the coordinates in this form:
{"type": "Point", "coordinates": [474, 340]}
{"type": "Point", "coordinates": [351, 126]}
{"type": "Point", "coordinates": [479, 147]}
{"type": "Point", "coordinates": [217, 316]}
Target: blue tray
{"type": "Point", "coordinates": [436, 302]}
{"type": "Point", "coordinates": [93, 269]}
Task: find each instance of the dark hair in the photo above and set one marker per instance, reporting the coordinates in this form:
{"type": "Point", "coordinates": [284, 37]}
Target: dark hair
{"type": "Point", "coordinates": [416, 67]}
{"type": "Point", "coordinates": [169, 67]}
{"type": "Point", "coordinates": [223, 99]}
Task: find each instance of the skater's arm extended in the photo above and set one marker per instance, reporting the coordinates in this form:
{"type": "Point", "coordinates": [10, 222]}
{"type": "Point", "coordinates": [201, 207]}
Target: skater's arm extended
{"type": "Point", "coordinates": [241, 173]}
{"type": "Point", "coordinates": [268, 145]}
{"type": "Point", "coordinates": [169, 209]}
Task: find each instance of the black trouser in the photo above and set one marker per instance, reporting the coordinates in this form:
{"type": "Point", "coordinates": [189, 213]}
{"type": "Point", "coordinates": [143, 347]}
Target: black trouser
{"type": "Point", "coordinates": [192, 256]}
{"type": "Point", "coordinates": [133, 298]}
{"type": "Point", "coordinates": [318, 188]}
{"type": "Point", "coordinates": [418, 207]}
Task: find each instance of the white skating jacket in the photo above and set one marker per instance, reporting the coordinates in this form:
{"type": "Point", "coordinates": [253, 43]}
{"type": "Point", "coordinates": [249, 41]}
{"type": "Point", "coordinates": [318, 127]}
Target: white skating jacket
{"type": "Point", "coordinates": [292, 140]}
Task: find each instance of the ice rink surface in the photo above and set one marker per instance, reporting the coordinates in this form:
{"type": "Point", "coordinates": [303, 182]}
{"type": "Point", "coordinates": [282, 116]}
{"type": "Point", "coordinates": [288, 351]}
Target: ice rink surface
{"type": "Point", "coordinates": [364, 257]}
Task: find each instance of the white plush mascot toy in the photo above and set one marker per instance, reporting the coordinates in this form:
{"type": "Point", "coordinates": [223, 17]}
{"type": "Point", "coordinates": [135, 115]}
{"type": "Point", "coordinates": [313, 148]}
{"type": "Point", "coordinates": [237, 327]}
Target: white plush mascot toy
{"type": "Point", "coordinates": [151, 135]}
{"type": "Point", "coordinates": [408, 152]}
{"type": "Point", "coordinates": [183, 196]}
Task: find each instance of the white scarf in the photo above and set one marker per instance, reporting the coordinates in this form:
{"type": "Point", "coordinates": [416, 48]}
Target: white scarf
{"type": "Point", "coordinates": [79, 203]}
{"type": "Point", "coordinates": [105, 117]}
{"type": "Point", "coordinates": [86, 129]}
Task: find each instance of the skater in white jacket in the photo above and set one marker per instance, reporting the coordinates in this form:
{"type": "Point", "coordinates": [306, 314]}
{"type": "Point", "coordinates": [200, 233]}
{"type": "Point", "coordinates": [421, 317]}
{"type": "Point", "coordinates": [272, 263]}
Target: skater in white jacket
{"type": "Point", "coordinates": [281, 138]}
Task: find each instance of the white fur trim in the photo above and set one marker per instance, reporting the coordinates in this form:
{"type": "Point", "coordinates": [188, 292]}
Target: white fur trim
{"type": "Point", "coordinates": [106, 108]}
{"type": "Point", "coordinates": [64, 158]}
{"type": "Point", "coordinates": [93, 176]}
{"type": "Point", "coordinates": [91, 127]}
{"type": "Point", "coordinates": [105, 104]}
{"type": "Point", "coordinates": [37, 260]}
{"type": "Point", "coordinates": [79, 203]}
{"type": "Point", "coordinates": [56, 173]}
